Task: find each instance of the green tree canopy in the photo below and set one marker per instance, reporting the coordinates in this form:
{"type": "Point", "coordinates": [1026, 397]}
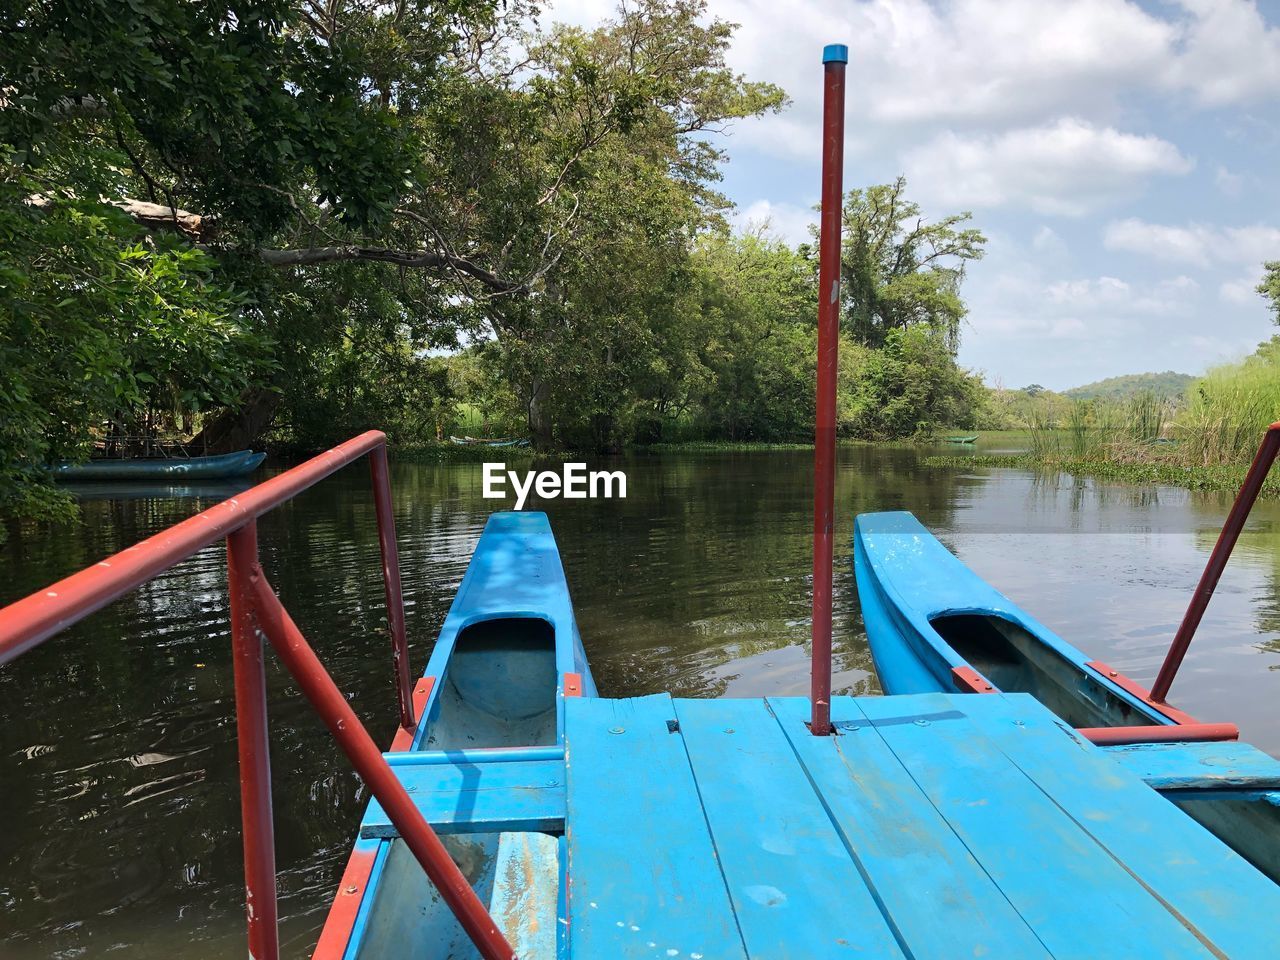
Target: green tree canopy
{"type": "Point", "coordinates": [900, 270]}
{"type": "Point", "coordinates": [1270, 287]}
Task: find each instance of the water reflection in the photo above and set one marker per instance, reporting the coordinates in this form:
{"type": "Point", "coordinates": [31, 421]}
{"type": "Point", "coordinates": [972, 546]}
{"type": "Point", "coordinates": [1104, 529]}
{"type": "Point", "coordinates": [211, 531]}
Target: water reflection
{"type": "Point", "coordinates": [118, 759]}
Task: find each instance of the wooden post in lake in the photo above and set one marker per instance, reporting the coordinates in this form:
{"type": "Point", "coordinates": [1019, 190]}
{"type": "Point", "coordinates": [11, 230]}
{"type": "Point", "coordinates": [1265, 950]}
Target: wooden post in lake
{"type": "Point", "coordinates": [834, 59]}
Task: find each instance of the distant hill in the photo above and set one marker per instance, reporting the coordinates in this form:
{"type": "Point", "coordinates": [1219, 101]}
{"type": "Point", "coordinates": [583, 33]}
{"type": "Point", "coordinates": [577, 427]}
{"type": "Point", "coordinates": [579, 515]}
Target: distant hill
{"type": "Point", "coordinates": [1166, 385]}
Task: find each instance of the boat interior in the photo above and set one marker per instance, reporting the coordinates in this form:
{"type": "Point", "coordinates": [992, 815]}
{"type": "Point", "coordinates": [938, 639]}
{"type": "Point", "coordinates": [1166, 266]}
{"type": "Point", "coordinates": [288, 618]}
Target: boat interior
{"type": "Point", "coordinates": [1016, 661]}
{"type": "Point", "coordinates": [499, 689]}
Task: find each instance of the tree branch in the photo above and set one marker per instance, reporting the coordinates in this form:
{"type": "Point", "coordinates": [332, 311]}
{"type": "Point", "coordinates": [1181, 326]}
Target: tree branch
{"type": "Point", "coordinates": [402, 258]}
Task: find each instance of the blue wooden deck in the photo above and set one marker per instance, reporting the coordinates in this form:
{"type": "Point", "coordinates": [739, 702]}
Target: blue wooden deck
{"type": "Point", "coordinates": [932, 826]}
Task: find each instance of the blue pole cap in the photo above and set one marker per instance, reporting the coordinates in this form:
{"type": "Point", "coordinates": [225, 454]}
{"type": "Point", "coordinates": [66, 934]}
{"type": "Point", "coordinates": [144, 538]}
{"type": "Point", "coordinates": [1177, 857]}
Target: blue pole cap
{"type": "Point", "coordinates": [835, 53]}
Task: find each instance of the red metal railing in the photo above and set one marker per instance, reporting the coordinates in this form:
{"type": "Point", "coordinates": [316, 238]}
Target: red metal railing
{"type": "Point", "coordinates": [1245, 499]}
{"type": "Point", "coordinates": [834, 59]}
{"type": "Point", "coordinates": [255, 611]}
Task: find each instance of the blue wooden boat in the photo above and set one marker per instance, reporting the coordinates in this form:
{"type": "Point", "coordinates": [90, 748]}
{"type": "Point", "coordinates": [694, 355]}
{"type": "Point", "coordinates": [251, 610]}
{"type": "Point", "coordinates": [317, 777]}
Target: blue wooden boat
{"type": "Point", "coordinates": [934, 625]}
{"type": "Point", "coordinates": [161, 470]}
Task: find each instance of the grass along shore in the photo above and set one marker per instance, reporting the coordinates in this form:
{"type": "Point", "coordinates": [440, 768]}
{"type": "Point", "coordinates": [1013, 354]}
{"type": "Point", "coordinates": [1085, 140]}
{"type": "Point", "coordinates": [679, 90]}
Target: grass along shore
{"type": "Point", "coordinates": [1213, 477]}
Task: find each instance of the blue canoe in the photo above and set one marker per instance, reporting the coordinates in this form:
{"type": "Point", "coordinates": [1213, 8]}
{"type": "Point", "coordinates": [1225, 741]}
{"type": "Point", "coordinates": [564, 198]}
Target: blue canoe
{"type": "Point", "coordinates": [934, 625]}
{"type": "Point", "coordinates": [506, 656]}
{"type": "Point", "coordinates": [167, 470]}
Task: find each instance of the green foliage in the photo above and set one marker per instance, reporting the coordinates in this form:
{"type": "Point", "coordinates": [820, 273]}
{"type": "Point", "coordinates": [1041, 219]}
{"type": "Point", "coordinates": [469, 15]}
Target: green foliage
{"type": "Point", "coordinates": [900, 271]}
{"type": "Point", "coordinates": [910, 387]}
{"type": "Point", "coordinates": [1270, 287]}
{"type": "Point", "coordinates": [1166, 386]}
{"type": "Point", "coordinates": [97, 327]}
{"type": "Point", "coordinates": [751, 324]}
{"type": "Point", "coordinates": [1230, 406]}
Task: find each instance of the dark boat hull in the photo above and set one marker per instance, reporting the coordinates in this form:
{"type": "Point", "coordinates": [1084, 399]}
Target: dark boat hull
{"type": "Point", "coordinates": [223, 467]}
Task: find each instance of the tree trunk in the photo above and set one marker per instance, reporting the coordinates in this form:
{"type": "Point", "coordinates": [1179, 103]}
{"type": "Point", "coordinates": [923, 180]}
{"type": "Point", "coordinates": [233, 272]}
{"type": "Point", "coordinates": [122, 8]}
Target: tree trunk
{"type": "Point", "coordinates": [539, 422]}
{"type": "Point", "coordinates": [239, 427]}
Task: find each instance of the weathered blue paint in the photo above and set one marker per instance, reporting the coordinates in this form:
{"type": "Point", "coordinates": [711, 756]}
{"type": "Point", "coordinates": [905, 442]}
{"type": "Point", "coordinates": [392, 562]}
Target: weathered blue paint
{"type": "Point", "coordinates": [929, 885]}
{"type": "Point", "coordinates": [773, 840]}
{"type": "Point", "coordinates": [643, 874]}
{"type": "Point", "coordinates": [525, 898]}
{"type": "Point", "coordinates": [1213, 891]}
{"type": "Point", "coordinates": [418, 758]}
{"type": "Point", "coordinates": [937, 825]}
{"type": "Point", "coordinates": [906, 578]}
{"type": "Point", "coordinates": [479, 798]}
{"type": "Point", "coordinates": [1199, 766]}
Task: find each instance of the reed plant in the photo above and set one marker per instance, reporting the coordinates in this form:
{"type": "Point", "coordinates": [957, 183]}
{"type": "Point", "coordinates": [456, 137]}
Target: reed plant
{"type": "Point", "coordinates": [1230, 407]}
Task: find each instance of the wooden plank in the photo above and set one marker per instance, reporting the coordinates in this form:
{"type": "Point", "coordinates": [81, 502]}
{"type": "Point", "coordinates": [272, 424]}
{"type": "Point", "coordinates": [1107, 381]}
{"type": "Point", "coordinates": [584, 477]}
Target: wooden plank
{"type": "Point", "coordinates": [1082, 902]}
{"type": "Point", "coordinates": [1212, 889]}
{"type": "Point", "coordinates": [937, 898]}
{"type": "Point", "coordinates": [1199, 766]}
{"type": "Point", "coordinates": [643, 876]}
{"type": "Point", "coordinates": [774, 839]}
{"type": "Point", "coordinates": [526, 890]}
{"type": "Point", "coordinates": [479, 798]}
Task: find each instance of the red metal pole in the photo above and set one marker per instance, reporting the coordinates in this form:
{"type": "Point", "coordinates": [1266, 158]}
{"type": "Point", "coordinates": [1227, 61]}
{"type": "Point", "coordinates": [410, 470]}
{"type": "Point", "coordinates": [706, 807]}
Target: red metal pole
{"type": "Point", "coordinates": [328, 701]}
{"type": "Point", "coordinates": [253, 741]}
{"type": "Point", "coordinates": [33, 619]}
{"type": "Point", "coordinates": [834, 58]}
{"type": "Point", "coordinates": [391, 580]}
{"type": "Point", "coordinates": [1170, 733]}
{"type": "Point", "coordinates": [1249, 491]}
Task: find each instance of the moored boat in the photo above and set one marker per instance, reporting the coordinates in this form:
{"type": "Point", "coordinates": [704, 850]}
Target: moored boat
{"type": "Point", "coordinates": [496, 442]}
{"type": "Point", "coordinates": [161, 469]}
{"type": "Point", "coordinates": [971, 439]}
{"type": "Point", "coordinates": [492, 699]}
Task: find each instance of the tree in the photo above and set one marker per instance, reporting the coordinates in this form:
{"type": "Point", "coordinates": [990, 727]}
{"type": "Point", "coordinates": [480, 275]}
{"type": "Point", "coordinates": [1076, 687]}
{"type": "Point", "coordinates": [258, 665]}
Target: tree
{"type": "Point", "coordinates": [354, 184]}
{"type": "Point", "coordinates": [753, 312]}
{"type": "Point", "coordinates": [900, 271]}
{"type": "Point", "coordinates": [1270, 287]}
{"type": "Point", "coordinates": [909, 387]}
{"type": "Point", "coordinates": [98, 328]}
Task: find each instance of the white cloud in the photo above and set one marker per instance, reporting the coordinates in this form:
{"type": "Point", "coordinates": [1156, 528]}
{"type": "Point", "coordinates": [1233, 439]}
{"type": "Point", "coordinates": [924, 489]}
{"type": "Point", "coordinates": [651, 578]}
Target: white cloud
{"type": "Point", "coordinates": [1226, 53]}
{"type": "Point", "coordinates": [979, 64]}
{"type": "Point", "coordinates": [1195, 243]}
{"type": "Point", "coordinates": [1228, 183]}
{"type": "Point", "coordinates": [784, 220]}
{"type": "Point", "coordinates": [1047, 241]}
{"type": "Point", "coordinates": [1068, 167]}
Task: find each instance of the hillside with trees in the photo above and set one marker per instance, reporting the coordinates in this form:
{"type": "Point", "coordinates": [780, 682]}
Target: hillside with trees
{"type": "Point", "coordinates": [1166, 386]}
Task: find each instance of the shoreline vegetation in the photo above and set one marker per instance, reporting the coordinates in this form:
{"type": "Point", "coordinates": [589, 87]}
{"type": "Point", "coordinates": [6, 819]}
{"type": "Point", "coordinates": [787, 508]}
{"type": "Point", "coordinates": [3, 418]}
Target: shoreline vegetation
{"type": "Point", "coordinates": [1225, 478]}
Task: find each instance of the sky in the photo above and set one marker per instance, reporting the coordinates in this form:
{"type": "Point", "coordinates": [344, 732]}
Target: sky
{"type": "Point", "coordinates": [1120, 157]}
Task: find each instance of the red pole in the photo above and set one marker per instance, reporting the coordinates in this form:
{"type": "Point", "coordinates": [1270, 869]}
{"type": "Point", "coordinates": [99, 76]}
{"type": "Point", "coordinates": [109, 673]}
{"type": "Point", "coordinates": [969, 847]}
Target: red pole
{"type": "Point", "coordinates": [327, 700]}
{"type": "Point", "coordinates": [33, 619]}
{"type": "Point", "coordinates": [252, 739]}
{"type": "Point", "coordinates": [834, 58]}
{"type": "Point", "coordinates": [391, 580]}
{"type": "Point", "coordinates": [1165, 733]}
{"type": "Point", "coordinates": [1249, 491]}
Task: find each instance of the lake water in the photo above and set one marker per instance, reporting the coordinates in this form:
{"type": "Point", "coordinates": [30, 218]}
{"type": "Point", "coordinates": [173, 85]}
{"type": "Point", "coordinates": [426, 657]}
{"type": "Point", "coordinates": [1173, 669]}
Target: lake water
{"type": "Point", "coordinates": [118, 784]}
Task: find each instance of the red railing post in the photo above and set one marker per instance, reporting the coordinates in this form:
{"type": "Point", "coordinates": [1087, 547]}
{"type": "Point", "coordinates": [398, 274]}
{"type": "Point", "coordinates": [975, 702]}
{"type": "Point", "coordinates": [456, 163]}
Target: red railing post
{"type": "Point", "coordinates": [1245, 499]}
{"type": "Point", "coordinates": [253, 742]}
{"type": "Point", "coordinates": [327, 700]}
{"type": "Point", "coordinates": [391, 581]}
{"type": "Point", "coordinates": [834, 58]}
